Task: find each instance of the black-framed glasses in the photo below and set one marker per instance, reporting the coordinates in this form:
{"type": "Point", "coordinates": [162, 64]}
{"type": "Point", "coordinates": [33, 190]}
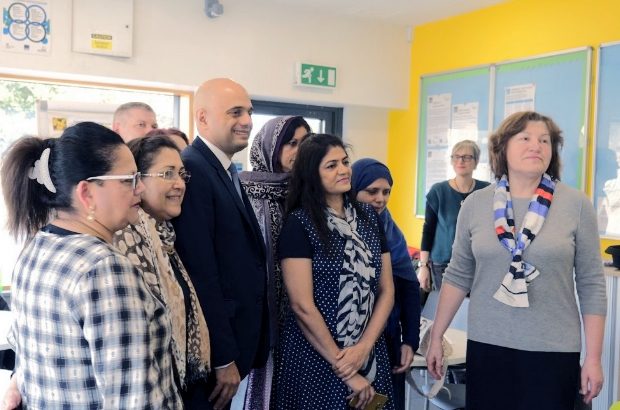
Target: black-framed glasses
{"type": "Point", "coordinates": [171, 175]}
{"type": "Point", "coordinates": [132, 179]}
{"type": "Point", "coordinates": [464, 158]}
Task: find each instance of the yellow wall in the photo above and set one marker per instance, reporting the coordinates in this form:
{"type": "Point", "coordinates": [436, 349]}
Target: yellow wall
{"type": "Point", "coordinates": [511, 30]}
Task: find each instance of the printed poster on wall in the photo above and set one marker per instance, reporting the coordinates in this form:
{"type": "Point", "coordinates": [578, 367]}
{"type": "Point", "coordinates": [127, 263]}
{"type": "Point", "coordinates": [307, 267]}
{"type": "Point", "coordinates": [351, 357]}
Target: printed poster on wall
{"type": "Point", "coordinates": [26, 26]}
{"type": "Point", "coordinates": [437, 129]}
{"type": "Point", "coordinates": [519, 98]}
{"type": "Point", "coordinates": [438, 119]}
{"type": "Point", "coordinates": [464, 123]}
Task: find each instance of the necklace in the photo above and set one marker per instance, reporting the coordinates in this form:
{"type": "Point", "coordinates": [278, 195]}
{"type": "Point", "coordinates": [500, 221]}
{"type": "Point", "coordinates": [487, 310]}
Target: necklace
{"type": "Point", "coordinates": [87, 229]}
{"type": "Point", "coordinates": [462, 192]}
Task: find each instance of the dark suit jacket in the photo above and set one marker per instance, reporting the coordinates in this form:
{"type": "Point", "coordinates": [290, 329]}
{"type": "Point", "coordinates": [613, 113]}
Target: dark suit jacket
{"type": "Point", "coordinates": [221, 245]}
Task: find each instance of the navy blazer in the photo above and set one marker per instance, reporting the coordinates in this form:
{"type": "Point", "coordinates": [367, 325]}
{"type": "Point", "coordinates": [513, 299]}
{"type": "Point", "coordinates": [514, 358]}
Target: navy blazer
{"type": "Point", "coordinates": [221, 245]}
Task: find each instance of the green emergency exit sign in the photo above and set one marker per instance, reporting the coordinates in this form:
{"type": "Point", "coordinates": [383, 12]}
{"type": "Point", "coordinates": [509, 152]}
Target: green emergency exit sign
{"type": "Point", "coordinates": [316, 75]}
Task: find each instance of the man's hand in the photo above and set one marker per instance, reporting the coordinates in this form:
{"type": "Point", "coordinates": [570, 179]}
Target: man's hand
{"type": "Point", "coordinates": [226, 386]}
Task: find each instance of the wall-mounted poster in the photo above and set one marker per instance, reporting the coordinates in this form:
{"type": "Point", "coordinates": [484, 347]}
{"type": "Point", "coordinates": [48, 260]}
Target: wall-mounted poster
{"type": "Point", "coordinates": [26, 26]}
{"type": "Point", "coordinates": [453, 106]}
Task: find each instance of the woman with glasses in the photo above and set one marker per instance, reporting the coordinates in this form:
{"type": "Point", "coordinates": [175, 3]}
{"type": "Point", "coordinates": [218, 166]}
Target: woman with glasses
{"type": "Point", "coordinates": [272, 156]}
{"type": "Point", "coordinates": [88, 332]}
{"type": "Point", "coordinates": [149, 243]}
{"type": "Point", "coordinates": [443, 203]}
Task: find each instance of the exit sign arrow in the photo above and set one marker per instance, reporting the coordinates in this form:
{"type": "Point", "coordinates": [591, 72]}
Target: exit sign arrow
{"type": "Point", "coordinates": [316, 75]}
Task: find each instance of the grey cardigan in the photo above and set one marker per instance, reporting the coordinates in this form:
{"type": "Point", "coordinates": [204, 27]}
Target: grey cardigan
{"type": "Point", "coordinates": [567, 254]}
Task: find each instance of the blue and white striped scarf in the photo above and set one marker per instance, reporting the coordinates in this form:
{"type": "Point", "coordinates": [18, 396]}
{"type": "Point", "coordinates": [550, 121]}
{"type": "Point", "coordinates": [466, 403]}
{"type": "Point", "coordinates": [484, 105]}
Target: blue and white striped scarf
{"type": "Point", "coordinates": [513, 290]}
{"type": "Point", "coordinates": [356, 299]}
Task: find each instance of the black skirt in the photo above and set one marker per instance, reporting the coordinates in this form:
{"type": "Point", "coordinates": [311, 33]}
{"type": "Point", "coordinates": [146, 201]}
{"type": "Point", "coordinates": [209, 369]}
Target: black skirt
{"type": "Point", "coordinates": [510, 379]}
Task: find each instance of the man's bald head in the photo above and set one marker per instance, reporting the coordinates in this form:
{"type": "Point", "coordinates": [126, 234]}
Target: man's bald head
{"type": "Point", "coordinates": [222, 112]}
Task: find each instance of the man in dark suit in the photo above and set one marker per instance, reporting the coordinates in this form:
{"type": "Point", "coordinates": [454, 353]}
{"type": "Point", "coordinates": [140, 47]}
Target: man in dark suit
{"type": "Point", "coordinates": [221, 245]}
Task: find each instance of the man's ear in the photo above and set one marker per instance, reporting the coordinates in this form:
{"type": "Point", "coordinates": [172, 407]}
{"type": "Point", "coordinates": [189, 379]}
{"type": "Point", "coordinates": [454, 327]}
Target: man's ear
{"type": "Point", "coordinates": [201, 116]}
{"type": "Point", "coordinates": [84, 195]}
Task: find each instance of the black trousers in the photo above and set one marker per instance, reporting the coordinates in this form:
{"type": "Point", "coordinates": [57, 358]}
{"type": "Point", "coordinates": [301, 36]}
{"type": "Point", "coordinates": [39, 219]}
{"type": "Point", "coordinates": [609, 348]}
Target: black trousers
{"type": "Point", "coordinates": [511, 379]}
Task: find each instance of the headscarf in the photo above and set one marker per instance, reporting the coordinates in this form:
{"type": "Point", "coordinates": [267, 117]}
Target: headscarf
{"type": "Point", "coordinates": [266, 186]}
{"type": "Point", "coordinates": [266, 190]}
{"type": "Point", "coordinates": [149, 245]}
{"type": "Point", "coordinates": [365, 172]}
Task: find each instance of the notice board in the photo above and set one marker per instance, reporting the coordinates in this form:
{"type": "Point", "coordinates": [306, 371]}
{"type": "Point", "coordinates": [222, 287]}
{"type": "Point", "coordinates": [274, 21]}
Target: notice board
{"type": "Point", "coordinates": [471, 103]}
{"type": "Point", "coordinates": [606, 164]}
{"type": "Point", "coordinates": [453, 106]}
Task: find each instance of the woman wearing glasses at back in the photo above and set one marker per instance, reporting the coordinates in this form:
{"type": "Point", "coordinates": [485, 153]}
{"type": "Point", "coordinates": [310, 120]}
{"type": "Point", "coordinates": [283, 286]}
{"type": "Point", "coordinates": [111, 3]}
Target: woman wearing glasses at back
{"type": "Point", "coordinates": [443, 203]}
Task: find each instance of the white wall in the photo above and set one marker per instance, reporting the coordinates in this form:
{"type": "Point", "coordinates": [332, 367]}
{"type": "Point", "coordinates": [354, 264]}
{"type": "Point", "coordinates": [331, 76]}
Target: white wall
{"type": "Point", "coordinates": [366, 131]}
{"type": "Point", "coordinates": [257, 45]}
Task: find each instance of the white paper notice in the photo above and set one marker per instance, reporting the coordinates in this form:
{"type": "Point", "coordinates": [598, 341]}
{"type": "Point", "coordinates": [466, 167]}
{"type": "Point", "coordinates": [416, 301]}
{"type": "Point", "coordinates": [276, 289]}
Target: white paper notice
{"type": "Point", "coordinates": [464, 123]}
{"type": "Point", "coordinates": [436, 167]}
{"type": "Point", "coordinates": [438, 119]}
{"type": "Point", "coordinates": [519, 98]}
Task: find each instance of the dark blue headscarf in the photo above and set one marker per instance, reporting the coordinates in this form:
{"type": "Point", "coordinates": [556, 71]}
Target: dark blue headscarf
{"type": "Point", "coordinates": [365, 172]}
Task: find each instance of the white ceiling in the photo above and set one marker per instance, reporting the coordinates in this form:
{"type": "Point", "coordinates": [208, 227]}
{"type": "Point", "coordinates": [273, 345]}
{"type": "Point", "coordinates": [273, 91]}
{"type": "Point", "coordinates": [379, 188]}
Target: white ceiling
{"type": "Point", "coordinates": [401, 12]}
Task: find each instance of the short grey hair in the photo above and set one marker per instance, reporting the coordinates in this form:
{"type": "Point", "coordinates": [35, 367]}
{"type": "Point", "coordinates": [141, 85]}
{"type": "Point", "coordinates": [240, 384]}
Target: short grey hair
{"type": "Point", "coordinates": [123, 108]}
{"type": "Point", "coordinates": [468, 144]}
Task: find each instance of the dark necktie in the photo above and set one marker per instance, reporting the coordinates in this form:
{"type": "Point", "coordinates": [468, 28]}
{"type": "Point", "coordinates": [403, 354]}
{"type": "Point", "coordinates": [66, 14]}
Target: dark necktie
{"type": "Point", "coordinates": [235, 179]}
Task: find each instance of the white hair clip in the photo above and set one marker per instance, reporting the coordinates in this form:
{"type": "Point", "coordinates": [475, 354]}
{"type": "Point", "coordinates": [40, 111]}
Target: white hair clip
{"type": "Point", "coordinates": [41, 171]}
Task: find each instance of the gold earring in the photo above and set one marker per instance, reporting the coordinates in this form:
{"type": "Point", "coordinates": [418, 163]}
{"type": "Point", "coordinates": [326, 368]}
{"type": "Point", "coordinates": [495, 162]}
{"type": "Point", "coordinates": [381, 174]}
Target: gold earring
{"type": "Point", "coordinates": [91, 214]}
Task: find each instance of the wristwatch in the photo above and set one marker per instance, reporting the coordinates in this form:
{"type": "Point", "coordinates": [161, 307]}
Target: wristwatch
{"type": "Point", "coordinates": [421, 263]}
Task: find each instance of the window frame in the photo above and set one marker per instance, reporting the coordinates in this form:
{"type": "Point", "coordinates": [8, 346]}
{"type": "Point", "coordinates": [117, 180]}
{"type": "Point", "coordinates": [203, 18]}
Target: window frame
{"type": "Point", "coordinates": [331, 115]}
{"type": "Point", "coordinates": [175, 92]}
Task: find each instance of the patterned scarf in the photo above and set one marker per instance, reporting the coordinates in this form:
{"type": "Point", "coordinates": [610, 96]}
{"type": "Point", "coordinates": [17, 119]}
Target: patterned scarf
{"type": "Point", "coordinates": [513, 290]}
{"type": "Point", "coordinates": [150, 246]}
{"type": "Point", "coordinates": [266, 190]}
{"type": "Point", "coordinates": [356, 299]}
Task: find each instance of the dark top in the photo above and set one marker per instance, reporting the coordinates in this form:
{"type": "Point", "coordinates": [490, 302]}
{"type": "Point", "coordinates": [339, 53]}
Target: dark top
{"type": "Point", "coordinates": [443, 204]}
{"type": "Point", "coordinates": [298, 245]}
{"type": "Point", "coordinates": [403, 325]}
{"type": "Point", "coordinates": [306, 380]}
